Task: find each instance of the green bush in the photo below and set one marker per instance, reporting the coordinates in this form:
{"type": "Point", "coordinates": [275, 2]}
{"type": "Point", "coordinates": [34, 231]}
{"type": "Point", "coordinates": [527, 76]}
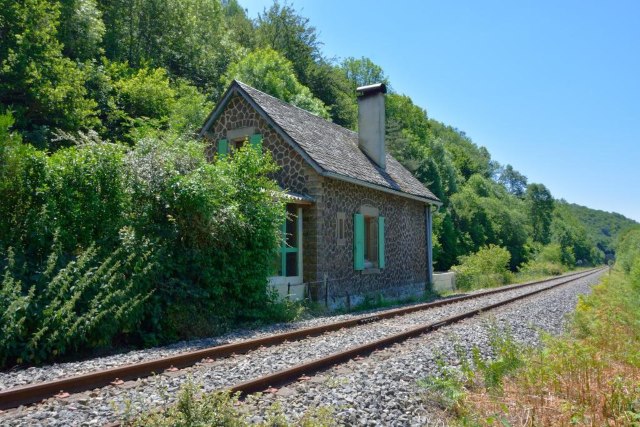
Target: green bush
{"type": "Point", "coordinates": [205, 233]}
{"type": "Point", "coordinates": [486, 268]}
{"type": "Point", "coordinates": [547, 262]}
{"type": "Point", "coordinates": [85, 303]}
{"type": "Point", "coordinates": [628, 250]}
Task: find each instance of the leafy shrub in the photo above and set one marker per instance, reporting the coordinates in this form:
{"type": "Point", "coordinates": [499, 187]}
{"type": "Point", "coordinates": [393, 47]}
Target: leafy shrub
{"type": "Point", "coordinates": [219, 222]}
{"type": "Point", "coordinates": [446, 387]}
{"type": "Point", "coordinates": [507, 358]}
{"type": "Point", "coordinates": [196, 408]}
{"type": "Point", "coordinates": [486, 268]}
{"type": "Point", "coordinates": [206, 235]}
{"type": "Point", "coordinates": [146, 93]}
{"type": "Point", "coordinates": [135, 103]}
{"type": "Point", "coordinates": [85, 303]}
{"type": "Point", "coordinates": [547, 262]}
{"type": "Point", "coordinates": [628, 250]}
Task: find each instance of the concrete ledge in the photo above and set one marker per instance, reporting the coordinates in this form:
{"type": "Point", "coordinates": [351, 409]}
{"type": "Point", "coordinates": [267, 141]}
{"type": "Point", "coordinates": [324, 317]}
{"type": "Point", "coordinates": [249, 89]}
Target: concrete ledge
{"type": "Point", "coordinates": [295, 292]}
{"type": "Point", "coordinates": [444, 281]}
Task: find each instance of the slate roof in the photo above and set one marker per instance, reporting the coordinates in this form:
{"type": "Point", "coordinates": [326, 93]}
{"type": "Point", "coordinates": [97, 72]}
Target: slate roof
{"type": "Point", "coordinates": [333, 148]}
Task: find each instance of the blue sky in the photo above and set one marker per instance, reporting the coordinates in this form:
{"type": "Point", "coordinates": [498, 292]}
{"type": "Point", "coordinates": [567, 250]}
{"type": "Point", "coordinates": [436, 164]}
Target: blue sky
{"type": "Point", "coordinates": [551, 87]}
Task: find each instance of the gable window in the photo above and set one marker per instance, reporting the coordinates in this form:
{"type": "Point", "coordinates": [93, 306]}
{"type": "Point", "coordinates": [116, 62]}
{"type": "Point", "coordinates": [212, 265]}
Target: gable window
{"type": "Point", "coordinates": [368, 241]}
{"type": "Point", "coordinates": [237, 144]}
{"type": "Point", "coordinates": [236, 139]}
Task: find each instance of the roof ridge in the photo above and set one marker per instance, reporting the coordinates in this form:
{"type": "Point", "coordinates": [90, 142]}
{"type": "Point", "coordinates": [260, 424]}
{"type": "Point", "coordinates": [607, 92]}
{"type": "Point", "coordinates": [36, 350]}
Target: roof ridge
{"type": "Point", "coordinates": [288, 104]}
{"type": "Point", "coordinates": [331, 149]}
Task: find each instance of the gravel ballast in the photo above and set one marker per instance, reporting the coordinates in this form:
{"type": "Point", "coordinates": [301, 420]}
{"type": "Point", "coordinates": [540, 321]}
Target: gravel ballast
{"type": "Point", "coordinates": [379, 389]}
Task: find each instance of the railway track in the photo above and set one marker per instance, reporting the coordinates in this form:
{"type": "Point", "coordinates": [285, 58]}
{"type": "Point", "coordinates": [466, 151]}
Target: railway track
{"type": "Point", "coordinates": [35, 393]}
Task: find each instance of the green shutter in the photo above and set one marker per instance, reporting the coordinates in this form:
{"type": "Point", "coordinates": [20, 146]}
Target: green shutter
{"type": "Point", "coordinates": [381, 242]}
{"type": "Point", "coordinates": [223, 147]}
{"type": "Point", "coordinates": [256, 141]}
{"type": "Point", "coordinates": [358, 242]}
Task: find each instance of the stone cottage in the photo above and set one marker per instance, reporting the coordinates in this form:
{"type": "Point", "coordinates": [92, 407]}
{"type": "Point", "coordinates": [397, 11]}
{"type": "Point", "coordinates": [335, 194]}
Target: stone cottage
{"type": "Point", "coordinates": [359, 223]}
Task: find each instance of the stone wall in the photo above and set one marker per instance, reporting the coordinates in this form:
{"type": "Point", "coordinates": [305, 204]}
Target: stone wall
{"type": "Point", "coordinates": [405, 248]}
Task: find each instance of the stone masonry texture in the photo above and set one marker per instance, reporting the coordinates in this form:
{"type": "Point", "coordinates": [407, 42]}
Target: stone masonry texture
{"type": "Point", "coordinates": [405, 246]}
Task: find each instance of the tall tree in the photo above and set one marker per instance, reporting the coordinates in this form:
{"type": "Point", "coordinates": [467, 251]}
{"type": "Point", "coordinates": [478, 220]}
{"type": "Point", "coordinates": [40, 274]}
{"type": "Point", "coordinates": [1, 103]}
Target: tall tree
{"type": "Point", "coordinates": [270, 72]}
{"type": "Point", "coordinates": [281, 28]}
{"type": "Point", "coordinates": [83, 29]}
{"type": "Point", "coordinates": [513, 181]}
{"type": "Point", "coordinates": [241, 28]}
{"type": "Point", "coordinates": [44, 88]}
{"type": "Point", "coordinates": [540, 204]}
{"type": "Point", "coordinates": [363, 71]}
{"type": "Point", "coordinates": [187, 37]}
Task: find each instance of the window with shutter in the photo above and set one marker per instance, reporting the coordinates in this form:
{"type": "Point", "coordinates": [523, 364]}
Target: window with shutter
{"type": "Point", "coordinates": [223, 147]}
{"type": "Point", "coordinates": [256, 141]}
{"type": "Point", "coordinates": [369, 242]}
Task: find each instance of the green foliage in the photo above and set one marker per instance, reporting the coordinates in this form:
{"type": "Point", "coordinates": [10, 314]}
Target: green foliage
{"type": "Point", "coordinates": [84, 303]}
{"type": "Point", "coordinates": [489, 215]}
{"type": "Point", "coordinates": [571, 235]}
{"type": "Point", "coordinates": [133, 103]}
{"type": "Point", "coordinates": [146, 93]}
{"type": "Point", "coordinates": [547, 262]}
{"type": "Point", "coordinates": [513, 181]}
{"type": "Point", "coordinates": [468, 158]}
{"type": "Point", "coordinates": [282, 29]}
{"type": "Point", "coordinates": [602, 227]}
{"type": "Point", "coordinates": [77, 192]}
{"type": "Point", "coordinates": [540, 204]}
{"type": "Point", "coordinates": [328, 83]}
{"type": "Point", "coordinates": [188, 38]}
{"type": "Point", "coordinates": [628, 250]}
{"type": "Point", "coordinates": [486, 268]}
{"type": "Point", "coordinates": [219, 217]}
{"type": "Point", "coordinates": [43, 87]}
{"type": "Point", "coordinates": [270, 72]}
{"type": "Point", "coordinates": [83, 29]}
{"type": "Point", "coordinates": [211, 229]}
{"type": "Point", "coordinates": [507, 358]}
{"type": "Point", "coordinates": [446, 388]}
{"type": "Point", "coordinates": [362, 72]}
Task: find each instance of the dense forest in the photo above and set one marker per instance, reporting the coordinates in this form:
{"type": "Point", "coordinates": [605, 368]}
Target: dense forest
{"type": "Point", "coordinates": [102, 180]}
{"type": "Point", "coordinates": [604, 228]}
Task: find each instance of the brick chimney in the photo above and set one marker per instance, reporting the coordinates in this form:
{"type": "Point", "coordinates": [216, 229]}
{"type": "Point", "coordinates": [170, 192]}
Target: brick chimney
{"type": "Point", "coordinates": [371, 122]}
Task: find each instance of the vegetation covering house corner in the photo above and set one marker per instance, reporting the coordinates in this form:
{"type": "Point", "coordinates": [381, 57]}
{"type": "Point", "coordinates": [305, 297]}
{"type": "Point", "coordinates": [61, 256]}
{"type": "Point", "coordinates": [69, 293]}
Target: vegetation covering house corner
{"type": "Point", "coordinates": [358, 221]}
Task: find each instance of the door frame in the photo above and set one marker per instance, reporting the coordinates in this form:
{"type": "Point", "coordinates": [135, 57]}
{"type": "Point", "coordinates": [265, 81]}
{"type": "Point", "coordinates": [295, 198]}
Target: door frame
{"type": "Point", "coordinates": [281, 283]}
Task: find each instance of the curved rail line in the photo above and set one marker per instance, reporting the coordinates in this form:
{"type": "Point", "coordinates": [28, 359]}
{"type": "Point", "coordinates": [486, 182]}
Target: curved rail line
{"type": "Point", "coordinates": [34, 393]}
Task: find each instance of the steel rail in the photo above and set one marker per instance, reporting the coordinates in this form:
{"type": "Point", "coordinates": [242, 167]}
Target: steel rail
{"type": "Point", "coordinates": [34, 393]}
{"type": "Point", "coordinates": [291, 374]}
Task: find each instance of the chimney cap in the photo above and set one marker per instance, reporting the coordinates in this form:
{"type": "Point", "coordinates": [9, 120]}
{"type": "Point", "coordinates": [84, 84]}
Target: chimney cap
{"type": "Point", "coordinates": [371, 89]}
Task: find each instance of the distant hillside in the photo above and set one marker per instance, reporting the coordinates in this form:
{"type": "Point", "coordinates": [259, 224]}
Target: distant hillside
{"type": "Point", "coordinates": [603, 227]}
